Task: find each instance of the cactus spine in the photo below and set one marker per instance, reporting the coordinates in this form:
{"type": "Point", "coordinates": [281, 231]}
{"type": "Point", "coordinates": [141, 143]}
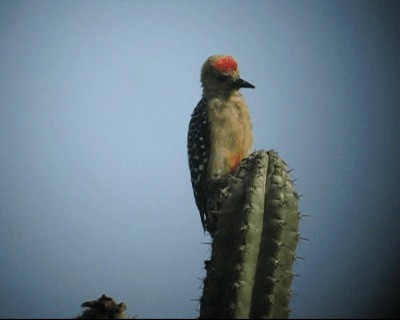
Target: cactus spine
{"type": "Point", "coordinates": [250, 273]}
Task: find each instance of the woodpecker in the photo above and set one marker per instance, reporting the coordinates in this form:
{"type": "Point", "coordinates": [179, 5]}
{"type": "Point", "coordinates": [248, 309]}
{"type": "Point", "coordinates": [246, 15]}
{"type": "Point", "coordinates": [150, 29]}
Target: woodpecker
{"type": "Point", "coordinates": [220, 130]}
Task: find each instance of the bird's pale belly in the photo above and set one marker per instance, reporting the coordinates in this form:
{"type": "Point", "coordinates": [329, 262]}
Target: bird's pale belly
{"type": "Point", "coordinates": [231, 136]}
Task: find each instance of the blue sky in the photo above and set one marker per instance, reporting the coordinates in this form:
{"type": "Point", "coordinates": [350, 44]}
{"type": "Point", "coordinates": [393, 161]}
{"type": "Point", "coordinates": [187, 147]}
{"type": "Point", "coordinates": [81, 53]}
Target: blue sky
{"type": "Point", "coordinates": [95, 193]}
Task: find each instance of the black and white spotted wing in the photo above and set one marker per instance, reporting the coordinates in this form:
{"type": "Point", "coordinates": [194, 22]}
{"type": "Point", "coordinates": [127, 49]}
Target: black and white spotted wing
{"type": "Point", "coordinates": [198, 151]}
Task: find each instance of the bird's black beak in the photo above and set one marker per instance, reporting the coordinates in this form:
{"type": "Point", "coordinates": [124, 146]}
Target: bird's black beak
{"type": "Point", "coordinates": [240, 83]}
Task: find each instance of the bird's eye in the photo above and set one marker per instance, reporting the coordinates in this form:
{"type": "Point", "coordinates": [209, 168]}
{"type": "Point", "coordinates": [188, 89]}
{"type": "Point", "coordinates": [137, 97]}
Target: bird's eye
{"type": "Point", "coordinates": [222, 78]}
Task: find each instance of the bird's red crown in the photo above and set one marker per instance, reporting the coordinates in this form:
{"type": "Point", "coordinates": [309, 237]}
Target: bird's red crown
{"type": "Point", "coordinates": [226, 64]}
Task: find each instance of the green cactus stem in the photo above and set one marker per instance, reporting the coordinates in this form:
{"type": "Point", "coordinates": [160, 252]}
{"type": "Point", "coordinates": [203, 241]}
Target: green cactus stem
{"type": "Point", "coordinates": [256, 218]}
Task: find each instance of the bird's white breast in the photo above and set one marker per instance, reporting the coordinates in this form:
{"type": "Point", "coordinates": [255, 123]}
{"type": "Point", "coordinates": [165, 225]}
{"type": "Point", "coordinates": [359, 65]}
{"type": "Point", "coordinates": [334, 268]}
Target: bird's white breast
{"type": "Point", "coordinates": [231, 133]}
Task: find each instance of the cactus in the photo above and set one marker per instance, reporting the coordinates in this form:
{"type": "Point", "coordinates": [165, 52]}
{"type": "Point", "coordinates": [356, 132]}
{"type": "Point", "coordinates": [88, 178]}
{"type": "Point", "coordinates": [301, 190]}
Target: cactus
{"type": "Point", "coordinates": [256, 216]}
{"type": "Point", "coordinates": [103, 308]}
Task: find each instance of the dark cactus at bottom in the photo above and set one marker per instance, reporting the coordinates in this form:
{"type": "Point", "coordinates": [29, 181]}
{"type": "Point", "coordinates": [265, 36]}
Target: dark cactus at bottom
{"type": "Point", "coordinates": [249, 274]}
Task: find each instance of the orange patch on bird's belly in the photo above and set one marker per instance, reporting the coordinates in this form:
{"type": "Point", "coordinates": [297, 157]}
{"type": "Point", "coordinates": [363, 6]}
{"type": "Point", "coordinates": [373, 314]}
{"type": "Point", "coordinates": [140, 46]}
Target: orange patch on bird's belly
{"type": "Point", "coordinates": [234, 162]}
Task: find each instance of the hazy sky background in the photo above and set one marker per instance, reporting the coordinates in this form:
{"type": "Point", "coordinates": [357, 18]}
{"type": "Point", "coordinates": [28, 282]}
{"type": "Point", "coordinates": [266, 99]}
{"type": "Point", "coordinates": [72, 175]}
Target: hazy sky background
{"type": "Point", "coordinates": [95, 193]}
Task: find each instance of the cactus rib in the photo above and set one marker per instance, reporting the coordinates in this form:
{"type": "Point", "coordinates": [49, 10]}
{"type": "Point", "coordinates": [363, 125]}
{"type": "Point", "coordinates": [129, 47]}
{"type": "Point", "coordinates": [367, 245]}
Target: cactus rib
{"type": "Point", "coordinates": [249, 274]}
